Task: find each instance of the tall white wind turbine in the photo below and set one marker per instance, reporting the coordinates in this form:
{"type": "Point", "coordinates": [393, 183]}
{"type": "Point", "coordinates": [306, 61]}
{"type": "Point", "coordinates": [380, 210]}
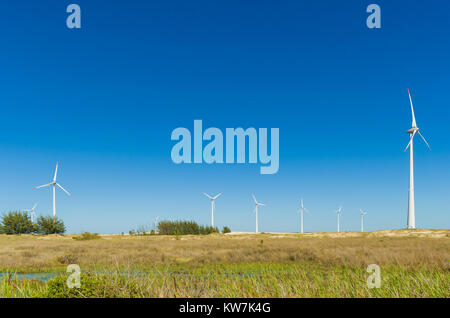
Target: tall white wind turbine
{"type": "Point", "coordinates": [362, 219]}
{"type": "Point", "coordinates": [412, 131]}
{"type": "Point", "coordinates": [256, 210]}
{"type": "Point", "coordinates": [213, 205]}
{"type": "Point", "coordinates": [32, 213]}
{"type": "Point", "coordinates": [300, 211]}
{"type": "Point", "coordinates": [338, 212]}
{"type": "Point", "coordinates": [54, 184]}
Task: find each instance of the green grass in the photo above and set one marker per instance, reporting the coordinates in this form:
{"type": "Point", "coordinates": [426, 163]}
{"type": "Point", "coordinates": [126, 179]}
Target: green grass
{"type": "Point", "coordinates": [13, 288]}
{"type": "Point", "coordinates": [306, 279]}
{"type": "Point", "coordinates": [413, 264]}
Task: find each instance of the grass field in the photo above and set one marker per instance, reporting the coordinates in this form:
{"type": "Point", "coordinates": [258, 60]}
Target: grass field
{"type": "Point", "coordinates": [414, 263]}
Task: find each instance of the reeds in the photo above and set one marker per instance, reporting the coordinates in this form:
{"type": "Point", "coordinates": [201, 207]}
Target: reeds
{"type": "Point", "coordinates": [305, 279]}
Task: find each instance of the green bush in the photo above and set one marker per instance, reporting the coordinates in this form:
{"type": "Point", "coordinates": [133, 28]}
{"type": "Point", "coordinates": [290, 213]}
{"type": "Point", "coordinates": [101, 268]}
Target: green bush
{"type": "Point", "coordinates": [184, 228]}
{"type": "Point", "coordinates": [50, 225]}
{"type": "Point", "coordinates": [85, 236]}
{"type": "Point", "coordinates": [17, 222]}
{"type": "Point", "coordinates": [92, 286]}
{"type": "Point", "coordinates": [226, 229]}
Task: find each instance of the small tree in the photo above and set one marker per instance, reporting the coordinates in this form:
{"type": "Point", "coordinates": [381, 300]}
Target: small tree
{"type": "Point", "coordinates": [17, 222]}
{"type": "Point", "coordinates": [226, 229]}
{"type": "Point", "coordinates": [205, 230]}
{"type": "Point", "coordinates": [50, 225]}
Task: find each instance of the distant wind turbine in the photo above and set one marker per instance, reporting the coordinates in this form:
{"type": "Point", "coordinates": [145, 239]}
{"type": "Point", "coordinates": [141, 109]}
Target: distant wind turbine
{"type": "Point", "coordinates": [300, 211]}
{"type": "Point", "coordinates": [213, 205]}
{"type": "Point", "coordinates": [362, 219]}
{"type": "Point", "coordinates": [338, 212]}
{"type": "Point", "coordinates": [256, 210]}
{"type": "Point", "coordinates": [412, 131]}
{"type": "Point", "coordinates": [54, 184]}
{"type": "Point", "coordinates": [155, 221]}
{"type": "Point", "coordinates": [32, 213]}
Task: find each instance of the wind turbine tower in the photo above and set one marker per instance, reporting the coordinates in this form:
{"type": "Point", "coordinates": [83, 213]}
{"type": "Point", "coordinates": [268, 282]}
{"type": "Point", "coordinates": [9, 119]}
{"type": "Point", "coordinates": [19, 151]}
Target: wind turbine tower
{"type": "Point", "coordinates": [300, 211]}
{"type": "Point", "coordinates": [256, 210]}
{"type": "Point", "coordinates": [338, 212]}
{"type": "Point", "coordinates": [213, 205]}
{"type": "Point", "coordinates": [362, 219]}
{"type": "Point", "coordinates": [155, 222]}
{"type": "Point", "coordinates": [412, 132]}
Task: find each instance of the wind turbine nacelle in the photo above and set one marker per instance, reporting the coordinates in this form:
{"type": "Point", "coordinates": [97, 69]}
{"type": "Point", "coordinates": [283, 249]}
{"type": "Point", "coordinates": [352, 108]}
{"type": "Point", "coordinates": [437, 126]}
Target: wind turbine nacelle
{"type": "Point", "coordinates": [412, 130]}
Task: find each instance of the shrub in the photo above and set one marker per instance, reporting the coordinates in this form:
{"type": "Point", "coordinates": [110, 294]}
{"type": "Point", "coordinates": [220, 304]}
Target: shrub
{"type": "Point", "coordinates": [226, 229]}
{"type": "Point", "coordinates": [17, 222]}
{"type": "Point", "coordinates": [85, 236]}
{"type": "Point", "coordinates": [67, 259]}
{"type": "Point", "coordinates": [50, 225]}
{"type": "Point", "coordinates": [92, 286]}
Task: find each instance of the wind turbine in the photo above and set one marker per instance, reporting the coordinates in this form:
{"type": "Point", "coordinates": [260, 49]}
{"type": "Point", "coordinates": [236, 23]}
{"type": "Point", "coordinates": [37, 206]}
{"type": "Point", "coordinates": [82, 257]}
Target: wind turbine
{"type": "Point", "coordinates": [412, 131]}
{"type": "Point", "coordinates": [256, 210]}
{"type": "Point", "coordinates": [362, 219]}
{"type": "Point", "coordinates": [300, 211]}
{"type": "Point", "coordinates": [338, 212]}
{"type": "Point", "coordinates": [155, 221]}
{"type": "Point", "coordinates": [54, 184]}
{"type": "Point", "coordinates": [213, 205]}
{"type": "Point", "coordinates": [32, 213]}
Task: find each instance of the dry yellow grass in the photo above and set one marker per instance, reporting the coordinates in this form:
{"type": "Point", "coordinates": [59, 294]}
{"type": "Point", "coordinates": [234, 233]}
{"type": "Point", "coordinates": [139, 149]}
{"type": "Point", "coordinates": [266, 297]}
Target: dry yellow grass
{"type": "Point", "coordinates": [409, 249]}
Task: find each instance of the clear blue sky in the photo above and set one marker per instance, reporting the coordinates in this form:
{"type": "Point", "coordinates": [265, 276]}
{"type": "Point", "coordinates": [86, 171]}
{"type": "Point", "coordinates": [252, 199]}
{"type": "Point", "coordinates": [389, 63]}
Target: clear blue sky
{"type": "Point", "coordinates": [104, 100]}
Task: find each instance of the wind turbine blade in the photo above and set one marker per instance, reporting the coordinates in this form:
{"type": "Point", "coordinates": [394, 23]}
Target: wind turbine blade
{"type": "Point", "coordinates": [64, 189]}
{"type": "Point", "coordinates": [261, 204]}
{"type": "Point", "coordinates": [410, 141]}
{"type": "Point", "coordinates": [424, 139]}
{"type": "Point", "coordinates": [412, 110]}
{"type": "Point", "coordinates": [254, 199]}
{"type": "Point", "coordinates": [42, 186]}
{"type": "Point", "coordinates": [56, 172]}
{"type": "Point", "coordinates": [209, 197]}
{"type": "Point", "coordinates": [34, 207]}
{"type": "Point", "coordinates": [218, 195]}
